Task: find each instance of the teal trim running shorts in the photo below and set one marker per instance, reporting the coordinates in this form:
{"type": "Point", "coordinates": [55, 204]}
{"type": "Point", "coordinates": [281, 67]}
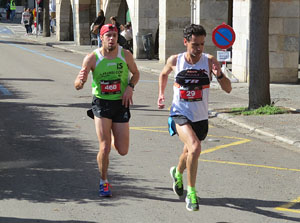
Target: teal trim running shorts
{"type": "Point", "coordinates": [200, 127]}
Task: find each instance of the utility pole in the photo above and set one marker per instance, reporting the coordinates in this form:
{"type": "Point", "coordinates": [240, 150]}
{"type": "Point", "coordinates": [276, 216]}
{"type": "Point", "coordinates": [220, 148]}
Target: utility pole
{"type": "Point", "coordinates": [259, 67]}
{"type": "Point", "coordinates": [46, 21]}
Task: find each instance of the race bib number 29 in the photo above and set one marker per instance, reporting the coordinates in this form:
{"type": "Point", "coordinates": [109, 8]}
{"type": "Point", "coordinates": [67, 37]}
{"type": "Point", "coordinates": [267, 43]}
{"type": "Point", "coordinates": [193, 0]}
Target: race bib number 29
{"type": "Point", "coordinates": [191, 95]}
{"type": "Point", "coordinates": [111, 87]}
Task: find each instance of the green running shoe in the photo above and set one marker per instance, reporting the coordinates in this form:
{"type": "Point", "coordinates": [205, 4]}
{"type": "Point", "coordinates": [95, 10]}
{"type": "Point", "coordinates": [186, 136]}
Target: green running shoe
{"type": "Point", "coordinates": [177, 182]}
{"type": "Point", "coordinates": [192, 202]}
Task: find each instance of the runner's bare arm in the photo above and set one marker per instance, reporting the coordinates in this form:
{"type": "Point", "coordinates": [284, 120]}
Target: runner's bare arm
{"type": "Point", "coordinates": [88, 64]}
{"type": "Point", "coordinates": [135, 76]}
{"type": "Point", "coordinates": [163, 80]}
{"type": "Point", "coordinates": [215, 68]}
{"type": "Point", "coordinates": [132, 67]}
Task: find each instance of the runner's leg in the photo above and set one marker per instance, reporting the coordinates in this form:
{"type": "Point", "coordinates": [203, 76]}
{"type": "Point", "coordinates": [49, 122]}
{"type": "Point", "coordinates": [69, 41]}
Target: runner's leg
{"type": "Point", "coordinates": [121, 137]}
{"type": "Point", "coordinates": [103, 130]}
{"type": "Point", "coordinates": [182, 160]}
{"type": "Point", "coordinates": [193, 144]}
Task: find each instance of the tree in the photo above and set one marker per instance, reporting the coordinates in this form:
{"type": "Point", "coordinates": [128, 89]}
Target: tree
{"type": "Point", "coordinates": [259, 71]}
{"type": "Point", "coordinates": [46, 21]}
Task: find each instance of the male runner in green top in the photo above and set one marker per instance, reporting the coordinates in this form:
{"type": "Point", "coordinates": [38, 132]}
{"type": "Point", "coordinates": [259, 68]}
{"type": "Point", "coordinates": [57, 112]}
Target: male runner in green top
{"type": "Point", "coordinates": [112, 89]}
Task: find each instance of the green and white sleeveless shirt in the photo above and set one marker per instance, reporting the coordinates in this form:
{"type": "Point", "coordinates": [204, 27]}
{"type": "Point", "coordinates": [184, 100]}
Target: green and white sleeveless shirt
{"type": "Point", "coordinates": [110, 77]}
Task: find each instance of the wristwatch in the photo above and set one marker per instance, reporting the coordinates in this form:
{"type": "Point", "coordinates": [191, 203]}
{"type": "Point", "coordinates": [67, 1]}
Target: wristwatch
{"type": "Point", "coordinates": [131, 85]}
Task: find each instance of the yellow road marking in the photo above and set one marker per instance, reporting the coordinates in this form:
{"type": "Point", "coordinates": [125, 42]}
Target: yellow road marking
{"type": "Point", "coordinates": [153, 128]}
{"type": "Point", "coordinates": [286, 207]}
{"type": "Point", "coordinates": [149, 129]}
{"type": "Point", "coordinates": [241, 141]}
{"type": "Point", "coordinates": [251, 165]}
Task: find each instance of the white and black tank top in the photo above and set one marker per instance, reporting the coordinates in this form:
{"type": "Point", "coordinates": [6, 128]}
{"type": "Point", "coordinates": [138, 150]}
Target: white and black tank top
{"type": "Point", "coordinates": [191, 89]}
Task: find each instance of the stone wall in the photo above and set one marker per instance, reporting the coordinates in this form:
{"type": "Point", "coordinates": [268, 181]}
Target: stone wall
{"type": "Point", "coordinates": [173, 17]}
{"type": "Point", "coordinates": [83, 22]}
{"type": "Point", "coordinates": [145, 18]}
{"type": "Point", "coordinates": [283, 40]}
{"type": "Point", "coordinates": [240, 49]}
{"type": "Point", "coordinates": [210, 14]}
{"type": "Point", "coordinates": [74, 18]}
{"type": "Point", "coordinates": [111, 8]}
{"type": "Point", "coordinates": [63, 20]}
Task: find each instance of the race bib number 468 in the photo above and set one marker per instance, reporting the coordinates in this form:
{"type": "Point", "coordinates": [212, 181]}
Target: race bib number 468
{"type": "Point", "coordinates": [111, 87]}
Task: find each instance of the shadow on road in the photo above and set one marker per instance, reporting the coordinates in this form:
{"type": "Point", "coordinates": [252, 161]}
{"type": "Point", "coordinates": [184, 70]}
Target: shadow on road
{"type": "Point", "coordinates": [26, 79]}
{"type": "Point", "coordinates": [19, 42]}
{"type": "Point", "coordinates": [23, 220]}
{"type": "Point", "coordinates": [250, 205]}
{"type": "Point", "coordinates": [42, 160]}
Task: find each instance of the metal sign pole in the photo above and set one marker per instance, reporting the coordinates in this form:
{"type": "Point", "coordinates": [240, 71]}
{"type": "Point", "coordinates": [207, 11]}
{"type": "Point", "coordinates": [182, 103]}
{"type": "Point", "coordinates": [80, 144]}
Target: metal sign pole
{"type": "Point", "coordinates": [224, 62]}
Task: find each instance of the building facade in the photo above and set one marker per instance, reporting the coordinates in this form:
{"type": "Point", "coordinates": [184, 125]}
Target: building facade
{"type": "Point", "coordinates": [165, 20]}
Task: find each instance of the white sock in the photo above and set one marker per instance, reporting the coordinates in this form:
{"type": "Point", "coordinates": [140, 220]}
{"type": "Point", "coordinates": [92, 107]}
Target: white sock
{"type": "Point", "coordinates": [103, 181]}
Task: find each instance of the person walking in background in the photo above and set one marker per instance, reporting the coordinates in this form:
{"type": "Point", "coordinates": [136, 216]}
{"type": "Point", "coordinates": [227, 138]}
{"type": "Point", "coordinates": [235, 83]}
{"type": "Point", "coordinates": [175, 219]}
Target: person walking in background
{"type": "Point", "coordinates": [113, 87]}
{"type": "Point", "coordinates": [127, 34]}
{"type": "Point", "coordinates": [52, 22]}
{"type": "Point", "coordinates": [97, 25]}
{"type": "Point", "coordinates": [12, 10]}
{"type": "Point", "coordinates": [40, 21]}
{"type": "Point", "coordinates": [34, 21]}
{"type": "Point", "coordinates": [52, 11]}
{"type": "Point", "coordinates": [189, 111]}
{"type": "Point", "coordinates": [31, 21]}
{"type": "Point", "coordinates": [120, 27]}
{"type": "Point", "coordinates": [8, 10]}
{"type": "Point", "coordinates": [25, 20]}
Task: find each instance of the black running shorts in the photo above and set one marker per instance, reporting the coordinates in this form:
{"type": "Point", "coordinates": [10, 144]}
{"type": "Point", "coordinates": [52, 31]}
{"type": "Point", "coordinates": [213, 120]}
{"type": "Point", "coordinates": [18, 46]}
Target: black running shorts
{"type": "Point", "coordinates": [200, 128]}
{"type": "Point", "coordinates": [111, 109]}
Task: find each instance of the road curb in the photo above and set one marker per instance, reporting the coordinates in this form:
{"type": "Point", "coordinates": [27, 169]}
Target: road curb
{"type": "Point", "coordinates": [259, 130]}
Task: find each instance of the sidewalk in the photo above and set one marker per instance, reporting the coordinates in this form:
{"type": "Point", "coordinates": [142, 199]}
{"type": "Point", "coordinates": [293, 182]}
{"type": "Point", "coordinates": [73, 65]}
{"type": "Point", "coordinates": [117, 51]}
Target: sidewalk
{"type": "Point", "coordinates": [284, 128]}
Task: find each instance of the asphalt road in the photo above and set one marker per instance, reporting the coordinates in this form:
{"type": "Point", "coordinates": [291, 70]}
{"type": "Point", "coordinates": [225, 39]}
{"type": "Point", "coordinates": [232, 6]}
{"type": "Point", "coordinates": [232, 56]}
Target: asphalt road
{"type": "Point", "coordinates": [48, 147]}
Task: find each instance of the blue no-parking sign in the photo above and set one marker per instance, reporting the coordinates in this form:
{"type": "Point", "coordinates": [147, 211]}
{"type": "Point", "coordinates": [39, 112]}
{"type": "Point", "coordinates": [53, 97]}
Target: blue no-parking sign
{"type": "Point", "coordinates": [223, 36]}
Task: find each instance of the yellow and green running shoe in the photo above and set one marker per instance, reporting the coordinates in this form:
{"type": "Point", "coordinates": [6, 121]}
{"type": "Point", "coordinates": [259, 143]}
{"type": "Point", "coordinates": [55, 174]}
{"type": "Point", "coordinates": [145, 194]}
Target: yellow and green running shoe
{"type": "Point", "coordinates": [177, 181]}
{"type": "Point", "coordinates": [192, 202]}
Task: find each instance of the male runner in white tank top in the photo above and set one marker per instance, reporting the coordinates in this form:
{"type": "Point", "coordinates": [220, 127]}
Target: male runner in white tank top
{"type": "Point", "coordinates": [189, 110]}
